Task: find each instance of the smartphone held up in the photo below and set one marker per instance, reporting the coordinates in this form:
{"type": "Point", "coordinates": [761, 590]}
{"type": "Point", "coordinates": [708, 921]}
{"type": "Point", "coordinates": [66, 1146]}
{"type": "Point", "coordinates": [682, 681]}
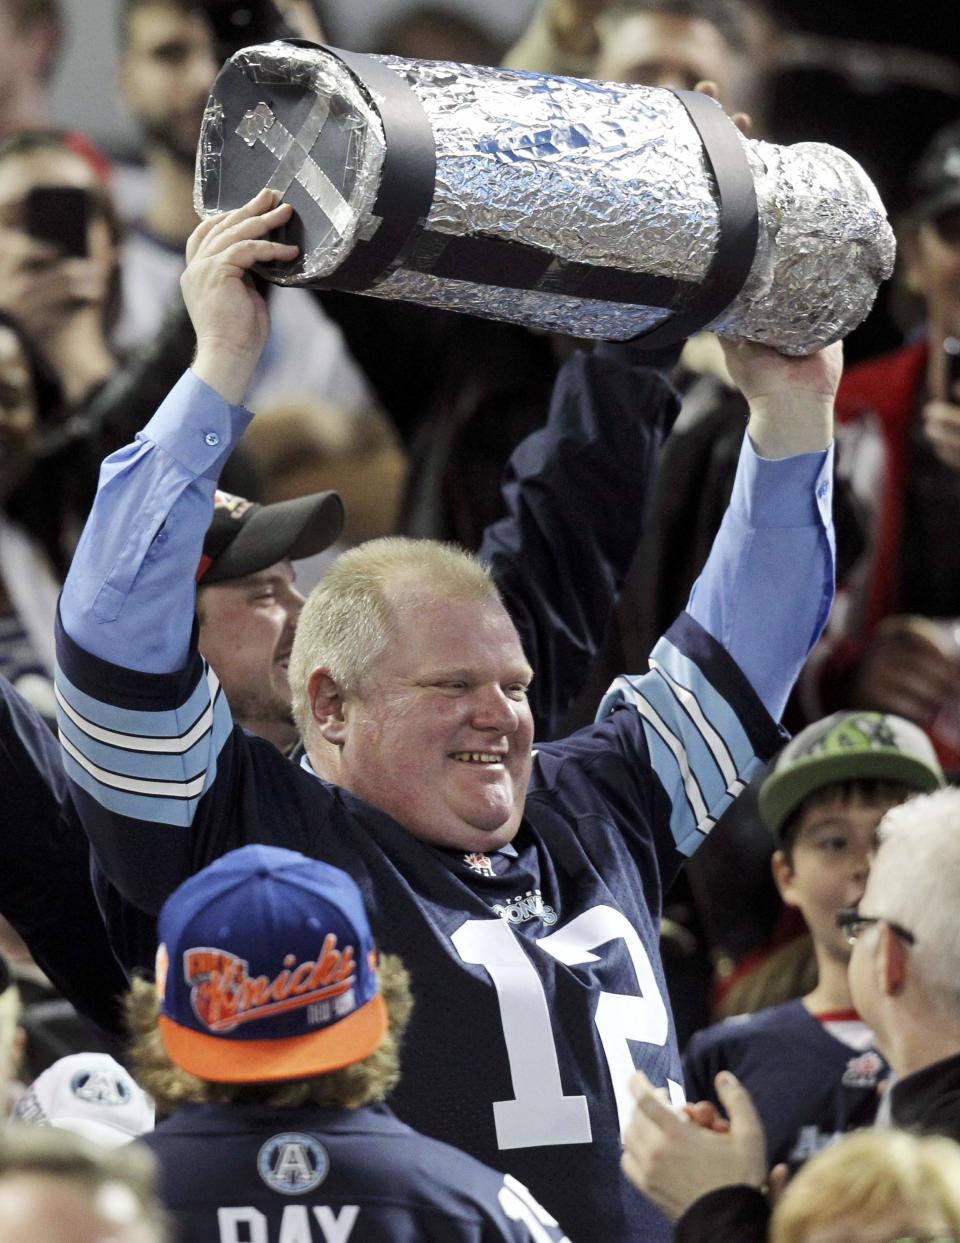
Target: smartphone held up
{"type": "Point", "coordinates": [59, 216]}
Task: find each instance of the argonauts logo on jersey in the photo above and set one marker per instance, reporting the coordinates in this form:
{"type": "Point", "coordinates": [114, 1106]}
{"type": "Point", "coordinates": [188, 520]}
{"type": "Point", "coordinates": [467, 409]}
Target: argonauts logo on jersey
{"type": "Point", "coordinates": [529, 905]}
{"type": "Point", "coordinates": [292, 1163]}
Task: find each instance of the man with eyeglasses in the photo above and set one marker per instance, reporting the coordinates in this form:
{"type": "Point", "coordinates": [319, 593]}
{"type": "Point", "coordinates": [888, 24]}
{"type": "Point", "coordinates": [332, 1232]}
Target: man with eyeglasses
{"type": "Point", "coordinates": [905, 961]}
{"type": "Point", "coordinates": [892, 644]}
{"type": "Point", "coordinates": [905, 980]}
{"type": "Point", "coordinates": [851, 922]}
{"type": "Point", "coordinates": [822, 802]}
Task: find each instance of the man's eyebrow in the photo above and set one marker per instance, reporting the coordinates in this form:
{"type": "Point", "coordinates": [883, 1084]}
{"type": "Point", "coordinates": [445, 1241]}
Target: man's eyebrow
{"type": "Point", "coordinates": [173, 46]}
{"type": "Point", "coordinates": [278, 572]}
{"type": "Point", "coordinates": [260, 579]}
{"type": "Point", "coordinates": [522, 673]}
{"type": "Point", "coordinates": [832, 822]}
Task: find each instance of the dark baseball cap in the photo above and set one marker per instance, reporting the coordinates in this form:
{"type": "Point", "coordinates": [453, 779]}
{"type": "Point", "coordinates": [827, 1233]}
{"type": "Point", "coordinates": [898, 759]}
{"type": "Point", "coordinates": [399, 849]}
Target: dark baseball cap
{"type": "Point", "coordinates": [847, 746]}
{"type": "Point", "coordinates": [244, 537]}
{"type": "Point", "coordinates": [934, 185]}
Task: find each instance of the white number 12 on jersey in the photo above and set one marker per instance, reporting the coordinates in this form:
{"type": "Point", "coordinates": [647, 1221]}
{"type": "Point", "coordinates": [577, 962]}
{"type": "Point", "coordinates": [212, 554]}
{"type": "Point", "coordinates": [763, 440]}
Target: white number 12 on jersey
{"type": "Point", "coordinates": [540, 1114]}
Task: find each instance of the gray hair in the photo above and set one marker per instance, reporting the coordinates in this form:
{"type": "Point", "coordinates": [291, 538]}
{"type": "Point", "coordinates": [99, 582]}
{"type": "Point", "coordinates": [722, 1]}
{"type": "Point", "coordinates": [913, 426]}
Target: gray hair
{"type": "Point", "coordinates": [915, 881]}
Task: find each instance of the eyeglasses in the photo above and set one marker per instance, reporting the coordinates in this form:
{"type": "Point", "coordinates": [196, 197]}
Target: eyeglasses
{"type": "Point", "coordinates": [853, 924]}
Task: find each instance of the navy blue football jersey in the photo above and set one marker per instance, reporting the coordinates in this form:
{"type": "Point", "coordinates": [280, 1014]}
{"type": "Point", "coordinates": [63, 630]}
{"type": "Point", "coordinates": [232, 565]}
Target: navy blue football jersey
{"type": "Point", "coordinates": [808, 1086]}
{"type": "Point", "coordinates": [254, 1174]}
{"type": "Point", "coordinates": [536, 971]}
{"type": "Point", "coordinates": [608, 417]}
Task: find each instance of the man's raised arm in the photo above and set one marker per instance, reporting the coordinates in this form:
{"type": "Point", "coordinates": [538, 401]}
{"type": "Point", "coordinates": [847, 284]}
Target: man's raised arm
{"type": "Point", "coordinates": [155, 498]}
{"type": "Point", "coordinates": [576, 493]}
{"type": "Point", "coordinates": [767, 586]}
{"type": "Point", "coordinates": [719, 678]}
{"type": "Point", "coordinates": [766, 589]}
{"type": "Point", "coordinates": [142, 721]}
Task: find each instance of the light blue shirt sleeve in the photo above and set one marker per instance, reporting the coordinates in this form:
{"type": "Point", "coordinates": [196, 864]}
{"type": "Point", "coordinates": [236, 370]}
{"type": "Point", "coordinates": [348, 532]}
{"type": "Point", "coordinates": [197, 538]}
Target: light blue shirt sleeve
{"type": "Point", "coordinates": [130, 594]}
{"type": "Point", "coordinates": [767, 587]}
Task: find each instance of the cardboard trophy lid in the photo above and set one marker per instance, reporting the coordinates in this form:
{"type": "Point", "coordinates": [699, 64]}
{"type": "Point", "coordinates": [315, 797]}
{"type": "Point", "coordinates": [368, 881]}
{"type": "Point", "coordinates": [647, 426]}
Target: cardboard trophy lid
{"type": "Point", "coordinates": [352, 154]}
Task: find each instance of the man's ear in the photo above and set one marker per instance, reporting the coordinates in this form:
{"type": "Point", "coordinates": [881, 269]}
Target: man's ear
{"type": "Point", "coordinates": [327, 707]}
{"type": "Point", "coordinates": [892, 962]}
{"type": "Point", "coordinates": [782, 876]}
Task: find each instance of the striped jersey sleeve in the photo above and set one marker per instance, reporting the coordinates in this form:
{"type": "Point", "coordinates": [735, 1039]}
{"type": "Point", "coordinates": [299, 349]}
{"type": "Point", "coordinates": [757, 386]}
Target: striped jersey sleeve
{"type": "Point", "coordinates": [140, 751]}
{"type": "Point", "coordinates": [150, 765]}
{"type": "Point", "coordinates": [702, 726]}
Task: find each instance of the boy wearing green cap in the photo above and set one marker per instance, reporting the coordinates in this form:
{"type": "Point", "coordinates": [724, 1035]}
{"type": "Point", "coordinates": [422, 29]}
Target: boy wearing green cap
{"type": "Point", "coordinates": [809, 1064]}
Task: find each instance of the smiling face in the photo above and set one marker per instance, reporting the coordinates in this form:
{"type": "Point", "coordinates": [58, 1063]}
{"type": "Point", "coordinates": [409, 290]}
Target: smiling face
{"type": "Point", "coordinates": [246, 631]}
{"type": "Point", "coordinates": [439, 731]}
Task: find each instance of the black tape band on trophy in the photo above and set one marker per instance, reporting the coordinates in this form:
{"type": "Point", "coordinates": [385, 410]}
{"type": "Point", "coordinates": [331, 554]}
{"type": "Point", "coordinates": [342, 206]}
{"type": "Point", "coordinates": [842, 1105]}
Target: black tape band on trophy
{"type": "Point", "coordinates": [739, 223]}
{"type": "Point", "coordinates": [407, 178]}
{"type": "Point", "coordinates": [588, 208]}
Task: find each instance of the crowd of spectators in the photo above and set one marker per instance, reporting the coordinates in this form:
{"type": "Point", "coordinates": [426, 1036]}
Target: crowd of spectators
{"type": "Point", "coordinates": [295, 909]}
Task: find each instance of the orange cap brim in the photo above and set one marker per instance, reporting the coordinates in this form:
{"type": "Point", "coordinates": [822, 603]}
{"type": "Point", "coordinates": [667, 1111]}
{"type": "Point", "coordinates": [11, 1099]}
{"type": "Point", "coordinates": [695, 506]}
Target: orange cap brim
{"type": "Point", "coordinates": [221, 1060]}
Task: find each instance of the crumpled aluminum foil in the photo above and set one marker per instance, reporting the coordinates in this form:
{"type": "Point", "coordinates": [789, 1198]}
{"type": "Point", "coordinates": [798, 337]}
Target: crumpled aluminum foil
{"type": "Point", "coordinates": [598, 173]}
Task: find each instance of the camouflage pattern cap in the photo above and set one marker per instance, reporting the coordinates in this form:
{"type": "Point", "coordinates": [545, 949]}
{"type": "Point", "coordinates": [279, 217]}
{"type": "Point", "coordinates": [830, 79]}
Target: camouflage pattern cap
{"type": "Point", "coordinates": [847, 746]}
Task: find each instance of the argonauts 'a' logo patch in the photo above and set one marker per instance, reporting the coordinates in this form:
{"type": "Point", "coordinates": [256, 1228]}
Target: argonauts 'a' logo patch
{"type": "Point", "coordinates": [98, 1087]}
{"type": "Point", "coordinates": [292, 1163]}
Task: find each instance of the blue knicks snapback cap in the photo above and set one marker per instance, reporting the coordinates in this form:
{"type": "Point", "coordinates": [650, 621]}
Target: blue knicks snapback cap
{"type": "Point", "coordinates": [266, 970]}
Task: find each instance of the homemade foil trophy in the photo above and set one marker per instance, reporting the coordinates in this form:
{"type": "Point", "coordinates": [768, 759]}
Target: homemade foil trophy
{"type": "Point", "coordinates": [590, 208]}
